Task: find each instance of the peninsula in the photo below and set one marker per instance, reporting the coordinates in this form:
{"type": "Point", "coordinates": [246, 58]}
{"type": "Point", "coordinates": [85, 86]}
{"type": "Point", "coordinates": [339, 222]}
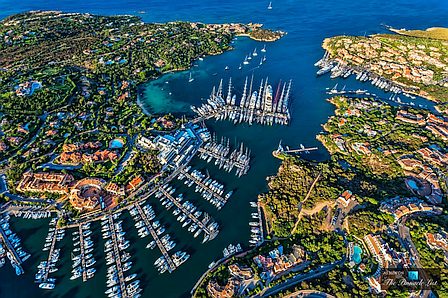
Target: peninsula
{"type": "Point", "coordinates": [416, 63]}
{"type": "Point", "coordinates": [377, 206]}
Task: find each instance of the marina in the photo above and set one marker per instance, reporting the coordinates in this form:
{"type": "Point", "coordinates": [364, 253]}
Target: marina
{"type": "Point", "coordinates": [238, 159]}
{"type": "Point", "coordinates": [290, 59]}
{"type": "Point", "coordinates": [28, 214]}
{"type": "Point", "coordinates": [340, 70]}
{"type": "Point", "coordinates": [166, 262]}
{"type": "Point", "coordinates": [115, 248]}
{"type": "Point", "coordinates": [206, 225]}
{"type": "Point", "coordinates": [83, 262]}
{"type": "Point", "coordinates": [256, 227]}
{"type": "Point", "coordinates": [49, 266]}
{"type": "Point", "coordinates": [231, 249]}
{"type": "Point", "coordinates": [263, 106]}
{"type": "Point", "coordinates": [10, 247]}
{"type": "Point", "coordinates": [210, 189]}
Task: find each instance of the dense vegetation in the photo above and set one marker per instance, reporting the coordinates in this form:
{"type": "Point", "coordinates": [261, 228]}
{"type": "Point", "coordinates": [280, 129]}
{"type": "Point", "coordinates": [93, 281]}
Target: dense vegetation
{"type": "Point", "coordinates": [67, 78]}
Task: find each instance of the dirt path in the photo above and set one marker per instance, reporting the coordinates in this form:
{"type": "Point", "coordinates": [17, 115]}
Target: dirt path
{"type": "Point", "coordinates": [304, 200]}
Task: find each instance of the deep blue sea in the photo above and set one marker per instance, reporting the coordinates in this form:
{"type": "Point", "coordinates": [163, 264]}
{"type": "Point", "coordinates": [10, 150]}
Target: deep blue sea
{"type": "Point", "coordinates": [292, 57]}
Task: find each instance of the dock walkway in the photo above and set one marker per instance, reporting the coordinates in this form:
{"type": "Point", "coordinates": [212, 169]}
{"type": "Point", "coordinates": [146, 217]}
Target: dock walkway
{"type": "Point", "coordinates": [205, 187]}
{"type": "Point", "coordinates": [211, 234]}
{"type": "Point", "coordinates": [117, 258]}
{"type": "Point", "coordinates": [11, 249]}
{"type": "Point", "coordinates": [154, 235]}
{"type": "Point", "coordinates": [260, 222]}
{"type": "Point", "coordinates": [50, 253]}
{"type": "Point", "coordinates": [83, 256]}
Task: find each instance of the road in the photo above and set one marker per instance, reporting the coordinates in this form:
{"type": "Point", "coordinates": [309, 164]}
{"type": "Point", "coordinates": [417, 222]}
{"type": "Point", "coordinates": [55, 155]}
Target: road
{"type": "Point", "coordinates": [297, 279]}
{"type": "Point", "coordinates": [406, 240]}
{"type": "Point", "coordinates": [43, 117]}
{"type": "Point", "coordinates": [312, 293]}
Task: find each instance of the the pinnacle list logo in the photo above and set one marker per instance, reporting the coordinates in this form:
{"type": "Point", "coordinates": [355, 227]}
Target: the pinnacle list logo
{"type": "Point", "coordinates": [410, 278]}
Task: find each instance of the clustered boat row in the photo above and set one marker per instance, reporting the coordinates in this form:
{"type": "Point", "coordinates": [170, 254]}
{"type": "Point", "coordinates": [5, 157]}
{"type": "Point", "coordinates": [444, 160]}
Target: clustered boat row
{"type": "Point", "coordinates": [262, 106]}
{"type": "Point", "coordinates": [10, 246]}
{"type": "Point", "coordinates": [340, 69]}
{"type": "Point", "coordinates": [239, 158]}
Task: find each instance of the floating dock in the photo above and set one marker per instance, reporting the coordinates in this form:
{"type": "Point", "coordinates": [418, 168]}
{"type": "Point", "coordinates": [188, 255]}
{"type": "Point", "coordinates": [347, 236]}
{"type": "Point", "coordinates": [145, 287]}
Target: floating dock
{"type": "Point", "coordinates": [50, 253]}
{"type": "Point", "coordinates": [221, 199]}
{"type": "Point", "coordinates": [83, 255]}
{"type": "Point", "coordinates": [210, 234]}
{"type": "Point", "coordinates": [238, 159]}
{"type": "Point", "coordinates": [171, 265]}
{"type": "Point", "coordinates": [12, 252]}
{"type": "Point", "coordinates": [263, 106]}
{"type": "Point", "coordinates": [117, 257]}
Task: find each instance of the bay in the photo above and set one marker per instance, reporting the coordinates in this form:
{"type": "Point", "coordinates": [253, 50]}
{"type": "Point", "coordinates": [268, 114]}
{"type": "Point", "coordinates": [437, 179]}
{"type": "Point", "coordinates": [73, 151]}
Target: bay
{"type": "Point", "coordinates": [292, 57]}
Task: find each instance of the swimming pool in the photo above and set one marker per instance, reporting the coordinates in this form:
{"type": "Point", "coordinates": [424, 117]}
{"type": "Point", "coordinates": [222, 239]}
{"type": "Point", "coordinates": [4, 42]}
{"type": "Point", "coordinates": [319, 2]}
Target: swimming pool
{"type": "Point", "coordinates": [357, 251]}
{"type": "Point", "coordinates": [412, 184]}
{"type": "Point", "coordinates": [116, 144]}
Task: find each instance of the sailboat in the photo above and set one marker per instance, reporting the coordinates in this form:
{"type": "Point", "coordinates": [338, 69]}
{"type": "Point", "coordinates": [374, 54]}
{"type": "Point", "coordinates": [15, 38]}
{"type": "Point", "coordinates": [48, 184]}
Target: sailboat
{"type": "Point", "coordinates": [264, 49]}
{"type": "Point", "coordinates": [245, 61]}
{"type": "Point", "coordinates": [261, 61]}
{"type": "Point", "coordinates": [249, 57]}
{"type": "Point", "coordinates": [191, 79]}
{"type": "Point", "coordinates": [270, 5]}
{"type": "Point", "coordinates": [239, 67]}
{"type": "Point", "coordinates": [255, 52]}
{"type": "Point", "coordinates": [264, 58]}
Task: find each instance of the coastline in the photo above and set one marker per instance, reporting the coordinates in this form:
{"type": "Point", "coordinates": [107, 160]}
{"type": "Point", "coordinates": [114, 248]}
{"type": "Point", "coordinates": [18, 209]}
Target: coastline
{"type": "Point", "coordinates": [407, 88]}
{"type": "Point", "coordinates": [242, 35]}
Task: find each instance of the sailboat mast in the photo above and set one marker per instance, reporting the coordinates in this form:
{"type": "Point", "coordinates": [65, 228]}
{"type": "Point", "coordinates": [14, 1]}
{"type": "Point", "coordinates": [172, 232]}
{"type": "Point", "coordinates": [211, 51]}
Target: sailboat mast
{"type": "Point", "coordinates": [243, 98]}
{"type": "Point", "coordinates": [220, 89]}
{"type": "Point", "coordinates": [280, 101]}
{"type": "Point", "coordinates": [250, 90]}
{"type": "Point", "coordinates": [285, 104]}
{"type": "Point", "coordinates": [259, 93]}
{"type": "Point", "coordinates": [229, 93]}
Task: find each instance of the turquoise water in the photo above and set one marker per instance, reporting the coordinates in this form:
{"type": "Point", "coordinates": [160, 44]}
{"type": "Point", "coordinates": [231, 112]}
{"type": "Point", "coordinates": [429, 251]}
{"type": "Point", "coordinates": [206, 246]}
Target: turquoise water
{"type": "Point", "coordinates": [116, 144]}
{"type": "Point", "coordinates": [292, 57]}
{"type": "Point", "coordinates": [413, 184]}
{"type": "Point", "coordinates": [357, 252]}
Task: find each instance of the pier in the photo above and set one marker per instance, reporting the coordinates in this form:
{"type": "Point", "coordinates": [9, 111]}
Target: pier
{"type": "Point", "coordinates": [171, 265]}
{"type": "Point", "coordinates": [263, 106]}
{"type": "Point", "coordinates": [260, 222]}
{"type": "Point", "coordinates": [83, 256]}
{"type": "Point", "coordinates": [239, 158]}
{"type": "Point", "coordinates": [50, 253]}
{"type": "Point", "coordinates": [221, 199]}
{"type": "Point", "coordinates": [280, 150]}
{"type": "Point", "coordinates": [117, 257]}
{"type": "Point", "coordinates": [11, 249]}
{"type": "Point", "coordinates": [207, 231]}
